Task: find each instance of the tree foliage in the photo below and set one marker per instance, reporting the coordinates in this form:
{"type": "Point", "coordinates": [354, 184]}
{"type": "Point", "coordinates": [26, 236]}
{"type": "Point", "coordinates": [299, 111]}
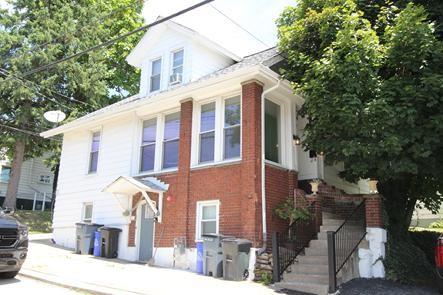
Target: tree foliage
{"type": "Point", "coordinates": [371, 73]}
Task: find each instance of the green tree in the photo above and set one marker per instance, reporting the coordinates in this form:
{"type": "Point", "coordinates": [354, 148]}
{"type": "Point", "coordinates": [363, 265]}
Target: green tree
{"type": "Point", "coordinates": [35, 33]}
{"type": "Point", "coordinates": [371, 73]}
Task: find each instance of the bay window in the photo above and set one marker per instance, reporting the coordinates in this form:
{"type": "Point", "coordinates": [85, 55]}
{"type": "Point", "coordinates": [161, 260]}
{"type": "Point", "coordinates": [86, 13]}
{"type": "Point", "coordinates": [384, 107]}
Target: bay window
{"type": "Point", "coordinates": [232, 128]}
{"type": "Point", "coordinates": [148, 145]}
{"type": "Point", "coordinates": [207, 133]}
{"type": "Point", "coordinates": [171, 140]}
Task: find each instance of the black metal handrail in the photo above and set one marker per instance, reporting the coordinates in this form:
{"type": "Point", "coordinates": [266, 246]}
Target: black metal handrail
{"type": "Point", "coordinates": [344, 241]}
{"type": "Point", "coordinates": [286, 246]}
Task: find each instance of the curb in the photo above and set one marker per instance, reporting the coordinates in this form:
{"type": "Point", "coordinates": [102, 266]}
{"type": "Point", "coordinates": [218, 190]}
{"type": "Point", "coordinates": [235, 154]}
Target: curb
{"type": "Point", "coordinates": [53, 280]}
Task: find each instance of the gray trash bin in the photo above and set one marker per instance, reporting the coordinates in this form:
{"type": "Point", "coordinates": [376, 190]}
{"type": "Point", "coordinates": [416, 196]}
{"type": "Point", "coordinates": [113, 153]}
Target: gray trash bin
{"type": "Point", "coordinates": [85, 237]}
{"type": "Point", "coordinates": [109, 241]}
{"type": "Point", "coordinates": [212, 255]}
{"type": "Point", "coordinates": [236, 259]}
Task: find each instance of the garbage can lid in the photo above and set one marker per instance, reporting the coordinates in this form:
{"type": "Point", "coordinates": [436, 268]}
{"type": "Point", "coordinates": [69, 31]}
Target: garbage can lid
{"type": "Point", "coordinates": [107, 228]}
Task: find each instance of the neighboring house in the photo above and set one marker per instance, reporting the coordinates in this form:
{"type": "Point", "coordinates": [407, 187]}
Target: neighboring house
{"type": "Point", "coordinates": [184, 156]}
{"type": "Point", "coordinates": [35, 186]}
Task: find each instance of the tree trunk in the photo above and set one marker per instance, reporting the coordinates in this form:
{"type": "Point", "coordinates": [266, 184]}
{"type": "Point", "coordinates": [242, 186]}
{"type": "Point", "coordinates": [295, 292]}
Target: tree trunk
{"type": "Point", "coordinates": [16, 169]}
{"type": "Point", "coordinates": [399, 205]}
{"type": "Point", "coordinates": [54, 188]}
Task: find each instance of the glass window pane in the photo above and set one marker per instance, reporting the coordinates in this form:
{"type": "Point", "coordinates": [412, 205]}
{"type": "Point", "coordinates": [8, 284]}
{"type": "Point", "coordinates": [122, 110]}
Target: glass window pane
{"type": "Point", "coordinates": [93, 162]}
{"type": "Point", "coordinates": [5, 174]}
{"type": "Point", "coordinates": [209, 212]}
{"type": "Point", "coordinates": [149, 131]}
{"type": "Point", "coordinates": [207, 118]}
{"type": "Point", "coordinates": [172, 126]}
{"type": "Point", "coordinates": [178, 70]}
{"type": "Point", "coordinates": [232, 142]}
{"type": "Point", "coordinates": [170, 154]}
{"type": "Point", "coordinates": [155, 83]}
{"type": "Point", "coordinates": [148, 156]}
{"type": "Point", "coordinates": [88, 212]}
{"type": "Point", "coordinates": [156, 67]}
{"type": "Point", "coordinates": [272, 131]}
{"type": "Point", "coordinates": [95, 142]}
{"type": "Point", "coordinates": [178, 58]}
{"type": "Point", "coordinates": [209, 227]}
{"type": "Point", "coordinates": [207, 147]}
{"type": "Point", "coordinates": [232, 111]}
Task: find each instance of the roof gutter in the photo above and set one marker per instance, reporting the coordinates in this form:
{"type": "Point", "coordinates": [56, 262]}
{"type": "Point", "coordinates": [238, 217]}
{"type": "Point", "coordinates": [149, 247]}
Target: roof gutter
{"type": "Point", "coordinates": [263, 187]}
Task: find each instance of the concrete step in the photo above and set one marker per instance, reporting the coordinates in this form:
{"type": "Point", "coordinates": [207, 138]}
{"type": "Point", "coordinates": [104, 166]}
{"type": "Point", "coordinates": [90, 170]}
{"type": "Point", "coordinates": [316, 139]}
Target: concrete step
{"type": "Point", "coordinates": [304, 259]}
{"type": "Point", "coordinates": [310, 269]}
{"type": "Point", "coordinates": [295, 277]}
{"type": "Point", "coordinates": [318, 243]}
{"type": "Point", "coordinates": [326, 215]}
{"type": "Point", "coordinates": [313, 288]}
{"type": "Point", "coordinates": [329, 221]}
{"type": "Point", "coordinates": [325, 228]}
{"type": "Point", "coordinates": [316, 251]}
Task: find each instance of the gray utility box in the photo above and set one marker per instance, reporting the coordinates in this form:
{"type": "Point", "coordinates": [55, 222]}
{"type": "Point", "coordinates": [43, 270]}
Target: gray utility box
{"type": "Point", "coordinates": [236, 259]}
{"type": "Point", "coordinates": [84, 235]}
{"type": "Point", "coordinates": [109, 241]}
{"type": "Point", "coordinates": [212, 255]}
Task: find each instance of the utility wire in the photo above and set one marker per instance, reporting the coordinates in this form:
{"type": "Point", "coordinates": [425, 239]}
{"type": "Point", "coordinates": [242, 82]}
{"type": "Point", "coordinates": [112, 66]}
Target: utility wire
{"type": "Point", "coordinates": [238, 25]}
{"type": "Point", "coordinates": [112, 41]}
{"type": "Point", "coordinates": [29, 132]}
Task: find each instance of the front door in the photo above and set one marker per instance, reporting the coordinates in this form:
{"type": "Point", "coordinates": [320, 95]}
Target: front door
{"type": "Point", "coordinates": [146, 233]}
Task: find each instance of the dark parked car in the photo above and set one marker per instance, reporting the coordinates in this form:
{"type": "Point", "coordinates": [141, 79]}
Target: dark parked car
{"type": "Point", "coordinates": [13, 244]}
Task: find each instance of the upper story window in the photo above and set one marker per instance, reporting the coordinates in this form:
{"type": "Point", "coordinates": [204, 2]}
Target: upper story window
{"type": "Point", "coordinates": [5, 173]}
{"type": "Point", "coordinates": [156, 68]}
{"type": "Point", "coordinates": [232, 128]}
{"type": "Point", "coordinates": [148, 145]}
{"type": "Point", "coordinates": [207, 133]}
{"type": "Point", "coordinates": [272, 131]}
{"type": "Point", "coordinates": [46, 179]}
{"type": "Point", "coordinates": [93, 157]}
{"type": "Point", "coordinates": [177, 67]}
{"type": "Point", "coordinates": [171, 140]}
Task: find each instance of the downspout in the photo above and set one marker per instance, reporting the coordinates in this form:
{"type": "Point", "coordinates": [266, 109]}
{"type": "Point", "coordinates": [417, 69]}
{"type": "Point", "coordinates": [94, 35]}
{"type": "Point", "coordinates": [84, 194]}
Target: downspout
{"type": "Point", "coordinates": [263, 192]}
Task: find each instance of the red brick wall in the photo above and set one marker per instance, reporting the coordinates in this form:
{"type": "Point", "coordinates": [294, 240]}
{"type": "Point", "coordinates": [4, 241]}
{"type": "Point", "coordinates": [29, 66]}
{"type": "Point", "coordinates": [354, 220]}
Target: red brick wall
{"type": "Point", "coordinates": [280, 185]}
{"type": "Point", "coordinates": [237, 185]}
{"type": "Point", "coordinates": [374, 215]}
{"type": "Point", "coordinates": [132, 225]}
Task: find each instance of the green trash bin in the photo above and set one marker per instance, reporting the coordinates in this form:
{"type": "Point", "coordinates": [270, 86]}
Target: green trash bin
{"type": "Point", "coordinates": [236, 259]}
{"type": "Point", "coordinates": [109, 241]}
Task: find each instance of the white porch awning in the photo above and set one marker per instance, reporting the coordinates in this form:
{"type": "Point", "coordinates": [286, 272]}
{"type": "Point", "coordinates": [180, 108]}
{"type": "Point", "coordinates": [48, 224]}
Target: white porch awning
{"type": "Point", "coordinates": [125, 185]}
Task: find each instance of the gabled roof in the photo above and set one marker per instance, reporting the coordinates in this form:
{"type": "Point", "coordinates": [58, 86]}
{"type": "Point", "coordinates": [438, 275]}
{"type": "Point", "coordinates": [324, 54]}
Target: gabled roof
{"type": "Point", "coordinates": [136, 56]}
{"type": "Point", "coordinates": [264, 59]}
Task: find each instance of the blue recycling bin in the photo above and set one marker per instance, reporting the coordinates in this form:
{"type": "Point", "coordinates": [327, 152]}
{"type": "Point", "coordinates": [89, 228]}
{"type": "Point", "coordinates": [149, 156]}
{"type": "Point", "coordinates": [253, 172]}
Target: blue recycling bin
{"type": "Point", "coordinates": [199, 257]}
{"type": "Point", "coordinates": [97, 243]}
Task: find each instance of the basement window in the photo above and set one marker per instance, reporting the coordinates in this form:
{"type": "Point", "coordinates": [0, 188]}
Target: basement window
{"type": "Point", "coordinates": [87, 212]}
{"type": "Point", "coordinates": [207, 218]}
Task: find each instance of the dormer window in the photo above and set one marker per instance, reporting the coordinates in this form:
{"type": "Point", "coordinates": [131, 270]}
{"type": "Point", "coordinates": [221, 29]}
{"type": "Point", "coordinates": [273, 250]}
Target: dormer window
{"type": "Point", "coordinates": [156, 68]}
{"type": "Point", "coordinates": [177, 67]}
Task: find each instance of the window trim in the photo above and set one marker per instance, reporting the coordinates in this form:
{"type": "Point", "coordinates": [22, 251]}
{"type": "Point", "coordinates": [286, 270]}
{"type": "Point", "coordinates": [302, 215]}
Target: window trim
{"type": "Point", "coordinates": [151, 61]}
{"type": "Point", "coordinates": [84, 205]}
{"type": "Point", "coordinates": [222, 138]}
{"type": "Point", "coordinates": [281, 144]}
{"type": "Point", "coordinates": [169, 140]}
{"type": "Point", "coordinates": [200, 133]}
{"type": "Point", "coordinates": [198, 219]}
{"type": "Point", "coordinates": [141, 145]}
{"type": "Point", "coordinates": [91, 137]}
{"type": "Point", "coordinates": [9, 175]}
{"type": "Point", "coordinates": [171, 67]}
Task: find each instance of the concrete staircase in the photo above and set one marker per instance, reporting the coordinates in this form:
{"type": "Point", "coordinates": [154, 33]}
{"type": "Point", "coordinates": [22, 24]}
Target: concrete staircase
{"type": "Point", "coordinates": [309, 272]}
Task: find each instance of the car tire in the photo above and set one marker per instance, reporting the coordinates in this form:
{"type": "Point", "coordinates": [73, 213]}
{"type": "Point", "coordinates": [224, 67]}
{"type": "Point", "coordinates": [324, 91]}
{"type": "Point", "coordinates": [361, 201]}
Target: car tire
{"type": "Point", "coordinates": [8, 275]}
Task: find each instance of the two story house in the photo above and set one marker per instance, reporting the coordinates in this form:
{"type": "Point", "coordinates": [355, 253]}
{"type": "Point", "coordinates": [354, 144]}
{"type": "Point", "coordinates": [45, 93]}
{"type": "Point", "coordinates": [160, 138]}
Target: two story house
{"type": "Point", "coordinates": [206, 146]}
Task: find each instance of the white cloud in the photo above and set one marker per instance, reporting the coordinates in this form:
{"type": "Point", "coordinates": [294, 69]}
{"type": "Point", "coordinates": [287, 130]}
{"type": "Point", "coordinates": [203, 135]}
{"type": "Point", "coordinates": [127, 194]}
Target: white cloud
{"type": "Point", "coordinates": [257, 16]}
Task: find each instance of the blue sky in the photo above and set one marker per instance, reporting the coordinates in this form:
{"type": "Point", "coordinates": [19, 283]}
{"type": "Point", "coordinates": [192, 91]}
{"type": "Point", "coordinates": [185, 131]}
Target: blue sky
{"type": "Point", "coordinates": [257, 16]}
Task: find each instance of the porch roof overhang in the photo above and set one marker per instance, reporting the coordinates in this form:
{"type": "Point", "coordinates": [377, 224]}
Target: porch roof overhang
{"type": "Point", "coordinates": [129, 186]}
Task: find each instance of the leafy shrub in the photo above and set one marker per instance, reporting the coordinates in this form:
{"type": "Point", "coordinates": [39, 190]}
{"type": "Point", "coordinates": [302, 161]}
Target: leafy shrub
{"type": "Point", "coordinates": [287, 211]}
{"type": "Point", "coordinates": [426, 241]}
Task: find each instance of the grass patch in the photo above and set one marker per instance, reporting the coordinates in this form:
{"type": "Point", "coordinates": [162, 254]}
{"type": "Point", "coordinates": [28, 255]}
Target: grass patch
{"type": "Point", "coordinates": [37, 221]}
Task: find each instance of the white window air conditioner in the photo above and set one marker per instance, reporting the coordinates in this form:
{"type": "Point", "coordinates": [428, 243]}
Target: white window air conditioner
{"type": "Point", "coordinates": [175, 78]}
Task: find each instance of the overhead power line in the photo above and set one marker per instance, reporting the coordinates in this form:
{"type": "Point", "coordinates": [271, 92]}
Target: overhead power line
{"type": "Point", "coordinates": [29, 132]}
{"type": "Point", "coordinates": [112, 41]}
{"type": "Point", "coordinates": [238, 25]}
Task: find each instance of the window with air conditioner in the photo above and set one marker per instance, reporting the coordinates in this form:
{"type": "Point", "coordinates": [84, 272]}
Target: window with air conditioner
{"type": "Point", "coordinates": [176, 76]}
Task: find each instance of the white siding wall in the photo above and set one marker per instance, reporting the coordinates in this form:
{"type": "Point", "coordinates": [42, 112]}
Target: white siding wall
{"type": "Point", "coordinates": [198, 60]}
{"type": "Point", "coordinates": [29, 179]}
{"type": "Point", "coordinates": [75, 186]}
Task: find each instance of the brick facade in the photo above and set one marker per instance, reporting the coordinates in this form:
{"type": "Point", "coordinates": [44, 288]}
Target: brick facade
{"type": "Point", "coordinates": [237, 185]}
{"type": "Point", "coordinates": [374, 213]}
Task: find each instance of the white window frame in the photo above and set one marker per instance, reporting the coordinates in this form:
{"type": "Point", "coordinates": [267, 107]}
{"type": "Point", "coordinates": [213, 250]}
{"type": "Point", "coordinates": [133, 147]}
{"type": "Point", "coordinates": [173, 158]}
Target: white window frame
{"type": "Point", "coordinates": [9, 177]}
{"type": "Point", "coordinates": [219, 130]}
{"type": "Point", "coordinates": [231, 127]}
{"type": "Point", "coordinates": [208, 131]}
{"type": "Point", "coordinates": [199, 213]}
{"type": "Point", "coordinates": [172, 65]}
{"type": "Point", "coordinates": [151, 62]}
{"type": "Point", "coordinates": [91, 137]}
{"type": "Point", "coordinates": [143, 145]}
{"type": "Point", "coordinates": [84, 211]}
{"type": "Point", "coordinates": [281, 128]}
{"type": "Point", "coordinates": [163, 141]}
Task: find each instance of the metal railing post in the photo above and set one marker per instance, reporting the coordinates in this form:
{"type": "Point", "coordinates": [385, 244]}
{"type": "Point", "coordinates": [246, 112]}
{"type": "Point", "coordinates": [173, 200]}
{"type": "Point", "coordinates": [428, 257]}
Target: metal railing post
{"type": "Point", "coordinates": [275, 258]}
{"type": "Point", "coordinates": [331, 262]}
